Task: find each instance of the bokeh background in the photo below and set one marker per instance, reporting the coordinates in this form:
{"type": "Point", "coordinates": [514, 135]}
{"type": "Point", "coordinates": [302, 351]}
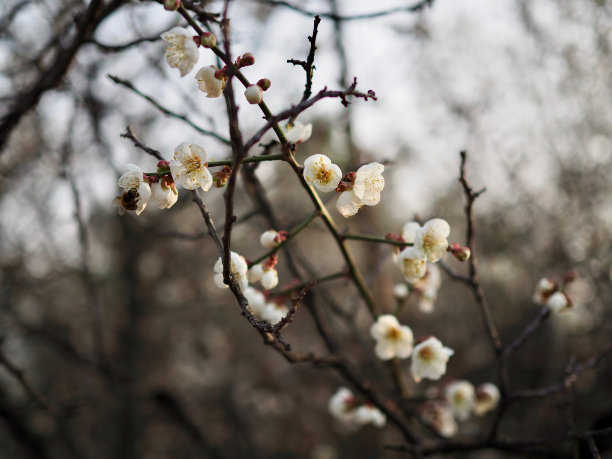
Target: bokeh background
{"type": "Point", "coordinates": [115, 321]}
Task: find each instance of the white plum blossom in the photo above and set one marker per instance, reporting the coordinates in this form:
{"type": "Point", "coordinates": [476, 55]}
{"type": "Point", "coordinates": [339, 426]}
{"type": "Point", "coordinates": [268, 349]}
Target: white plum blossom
{"type": "Point", "coordinates": [253, 94]}
{"type": "Point", "coordinates": [427, 288]}
{"type": "Point", "coordinates": [182, 52]}
{"type": "Point", "coordinates": [430, 241]}
{"type": "Point", "coordinates": [411, 264]}
{"type": "Point", "coordinates": [321, 173]}
{"type": "Point", "coordinates": [438, 414]}
{"type": "Point", "coordinates": [164, 195]}
{"type": "Point", "coordinates": [269, 279]}
{"type": "Point", "coordinates": [268, 239]}
{"type": "Point", "coordinates": [558, 302]}
{"type": "Point", "coordinates": [487, 398]}
{"type": "Point", "coordinates": [369, 414]}
{"type": "Point", "coordinates": [545, 288]}
{"type": "Point", "coordinates": [297, 132]}
{"type": "Point", "coordinates": [208, 83]}
{"type": "Point", "coordinates": [238, 269]}
{"type": "Point", "coordinates": [136, 192]}
{"type": "Point", "coordinates": [255, 273]}
{"type": "Point", "coordinates": [392, 339]}
{"type": "Point", "coordinates": [274, 312]}
{"type": "Point", "coordinates": [256, 299]}
{"type": "Point", "coordinates": [429, 359]}
{"type": "Point", "coordinates": [460, 396]}
{"type": "Point", "coordinates": [342, 405]}
{"type": "Point", "coordinates": [368, 184]}
{"type": "Point", "coordinates": [189, 167]}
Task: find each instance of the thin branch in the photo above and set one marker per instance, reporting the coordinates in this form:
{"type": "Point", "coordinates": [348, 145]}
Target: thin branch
{"type": "Point", "coordinates": [129, 134]}
{"type": "Point", "coordinates": [167, 111]}
{"type": "Point", "coordinates": [19, 375]}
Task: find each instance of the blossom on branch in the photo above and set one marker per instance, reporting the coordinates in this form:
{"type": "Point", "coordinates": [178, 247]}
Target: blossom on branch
{"type": "Point", "coordinates": [321, 173]}
{"type": "Point", "coordinates": [164, 193]}
{"type": "Point", "coordinates": [189, 167]}
{"type": "Point", "coordinates": [211, 81]}
{"type": "Point", "coordinates": [274, 312]}
{"type": "Point", "coordinates": [392, 339]}
{"type": "Point", "coordinates": [365, 190]}
{"type": "Point", "coordinates": [487, 398]}
{"type": "Point", "coordinates": [411, 264]}
{"type": "Point", "coordinates": [426, 288]}
{"type": "Point", "coordinates": [343, 405]}
{"type": "Point", "coordinates": [543, 291]}
{"type": "Point", "coordinates": [369, 414]}
{"type": "Point", "coordinates": [430, 241]}
{"type": "Point", "coordinates": [256, 299]}
{"type": "Point", "coordinates": [439, 416]}
{"type": "Point", "coordinates": [253, 94]}
{"type": "Point", "coordinates": [136, 192]}
{"type": "Point", "coordinates": [460, 396]}
{"type": "Point", "coordinates": [238, 268]}
{"type": "Point", "coordinates": [558, 302]}
{"type": "Point", "coordinates": [297, 132]}
{"type": "Point", "coordinates": [268, 239]}
{"type": "Point", "coordinates": [182, 51]}
{"type": "Point", "coordinates": [429, 359]}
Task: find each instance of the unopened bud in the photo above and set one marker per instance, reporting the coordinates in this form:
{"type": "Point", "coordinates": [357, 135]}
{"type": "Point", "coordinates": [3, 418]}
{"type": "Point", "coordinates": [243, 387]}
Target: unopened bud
{"type": "Point", "coordinates": [570, 276]}
{"type": "Point", "coordinates": [163, 167]}
{"type": "Point", "coordinates": [281, 236]}
{"type": "Point", "coordinates": [220, 177]}
{"type": "Point", "coordinates": [245, 60]}
{"type": "Point", "coordinates": [270, 262]}
{"type": "Point", "coordinates": [253, 94]}
{"type": "Point", "coordinates": [208, 40]}
{"type": "Point", "coordinates": [172, 5]}
{"type": "Point", "coordinates": [459, 252]}
{"type": "Point", "coordinates": [264, 84]}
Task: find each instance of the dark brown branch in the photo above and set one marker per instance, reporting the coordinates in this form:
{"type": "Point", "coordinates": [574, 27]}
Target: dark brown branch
{"type": "Point", "coordinates": [129, 134]}
{"type": "Point", "coordinates": [308, 64]}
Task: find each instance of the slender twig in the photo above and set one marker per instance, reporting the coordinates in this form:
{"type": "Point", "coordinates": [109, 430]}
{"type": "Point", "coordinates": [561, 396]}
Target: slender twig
{"type": "Point", "coordinates": [167, 111]}
{"type": "Point", "coordinates": [319, 280]}
{"type": "Point", "coordinates": [19, 375]}
{"type": "Point", "coordinates": [308, 64]}
{"type": "Point", "coordinates": [376, 239]}
{"type": "Point", "coordinates": [529, 330]}
{"type": "Point", "coordinates": [129, 134]}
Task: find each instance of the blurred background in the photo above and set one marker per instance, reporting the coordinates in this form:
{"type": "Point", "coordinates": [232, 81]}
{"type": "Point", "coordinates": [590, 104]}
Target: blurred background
{"type": "Point", "coordinates": [116, 322]}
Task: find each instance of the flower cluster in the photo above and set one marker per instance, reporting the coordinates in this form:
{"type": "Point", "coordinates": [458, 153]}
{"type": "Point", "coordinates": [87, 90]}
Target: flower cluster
{"type": "Point", "coordinates": [356, 188]}
{"type": "Point", "coordinates": [262, 309]}
{"type": "Point", "coordinates": [429, 243]}
{"type": "Point", "coordinates": [344, 406]}
{"type": "Point", "coordinates": [429, 357]}
{"type": "Point", "coordinates": [555, 296]}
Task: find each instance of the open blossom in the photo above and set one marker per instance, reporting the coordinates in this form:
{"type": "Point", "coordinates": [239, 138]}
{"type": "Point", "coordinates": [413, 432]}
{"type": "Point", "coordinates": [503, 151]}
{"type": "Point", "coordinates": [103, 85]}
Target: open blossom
{"type": "Point", "coordinates": [238, 268]}
{"type": "Point", "coordinates": [136, 192]}
{"type": "Point", "coordinates": [411, 264]}
{"type": "Point", "coordinates": [321, 173]}
{"type": "Point", "coordinates": [256, 299]}
{"type": "Point", "coordinates": [545, 288]}
{"type": "Point", "coordinates": [342, 405]}
{"type": "Point", "coordinates": [274, 312]}
{"type": "Point", "coordinates": [297, 132]}
{"type": "Point", "coordinates": [182, 52]}
{"type": "Point", "coordinates": [209, 83]}
{"type": "Point", "coordinates": [430, 241]}
{"type": "Point", "coordinates": [438, 414]}
{"type": "Point", "coordinates": [189, 167]}
{"type": "Point", "coordinates": [164, 194]}
{"type": "Point", "coordinates": [400, 291]}
{"type": "Point", "coordinates": [369, 414]}
{"type": "Point", "coordinates": [409, 231]}
{"type": "Point", "coordinates": [487, 398]}
{"type": "Point", "coordinates": [427, 288]}
{"type": "Point", "coordinates": [366, 189]}
{"type": "Point", "coordinates": [429, 359]}
{"type": "Point", "coordinates": [392, 339]}
{"type": "Point", "coordinates": [460, 396]}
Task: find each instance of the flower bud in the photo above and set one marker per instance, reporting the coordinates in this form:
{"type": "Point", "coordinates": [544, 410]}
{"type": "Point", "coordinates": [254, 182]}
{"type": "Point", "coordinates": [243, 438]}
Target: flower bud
{"type": "Point", "coordinates": [220, 177]}
{"type": "Point", "coordinates": [459, 252]}
{"type": "Point", "coordinates": [264, 84]}
{"type": "Point", "coordinates": [172, 5]}
{"type": "Point", "coordinates": [245, 60]}
{"type": "Point", "coordinates": [163, 167]}
{"type": "Point", "coordinates": [253, 94]}
{"type": "Point", "coordinates": [208, 40]}
{"type": "Point", "coordinates": [570, 276]}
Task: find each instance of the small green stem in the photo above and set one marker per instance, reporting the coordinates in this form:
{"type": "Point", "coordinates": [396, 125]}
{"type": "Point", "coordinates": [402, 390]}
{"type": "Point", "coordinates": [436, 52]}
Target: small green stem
{"type": "Point", "coordinates": [291, 235]}
{"type": "Point", "coordinates": [379, 240]}
{"type": "Point", "coordinates": [330, 277]}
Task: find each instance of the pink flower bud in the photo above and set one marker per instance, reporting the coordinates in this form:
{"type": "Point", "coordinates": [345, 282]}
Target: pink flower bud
{"type": "Point", "coordinates": [264, 84]}
{"type": "Point", "coordinates": [208, 40]}
{"type": "Point", "coordinates": [253, 94]}
{"type": "Point", "coordinates": [172, 5]}
{"type": "Point", "coordinates": [245, 60]}
{"type": "Point", "coordinates": [459, 252]}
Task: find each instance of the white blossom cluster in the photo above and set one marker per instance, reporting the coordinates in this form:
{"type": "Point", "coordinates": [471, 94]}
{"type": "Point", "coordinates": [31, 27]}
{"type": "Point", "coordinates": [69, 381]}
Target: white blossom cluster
{"type": "Point", "coordinates": [356, 188]}
{"type": "Point", "coordinates": [429, 357]}
{"type": "Point", "coordinates": [459, 400]}
{"type": "Point", "coordinates": [549, 293]}
{"type": "Point", "coordinates": [344, 406]}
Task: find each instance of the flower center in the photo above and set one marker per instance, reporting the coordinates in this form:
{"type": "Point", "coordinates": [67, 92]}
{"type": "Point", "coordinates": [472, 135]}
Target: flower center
{"type": "Point", "coordinates": [324, 176]}
{"type": "Point", "coordinates": [426, 354]}
{"type": "Point", "coordinates": [193, 164]}
{"type": "Point", "coordinates": [393, 334]}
